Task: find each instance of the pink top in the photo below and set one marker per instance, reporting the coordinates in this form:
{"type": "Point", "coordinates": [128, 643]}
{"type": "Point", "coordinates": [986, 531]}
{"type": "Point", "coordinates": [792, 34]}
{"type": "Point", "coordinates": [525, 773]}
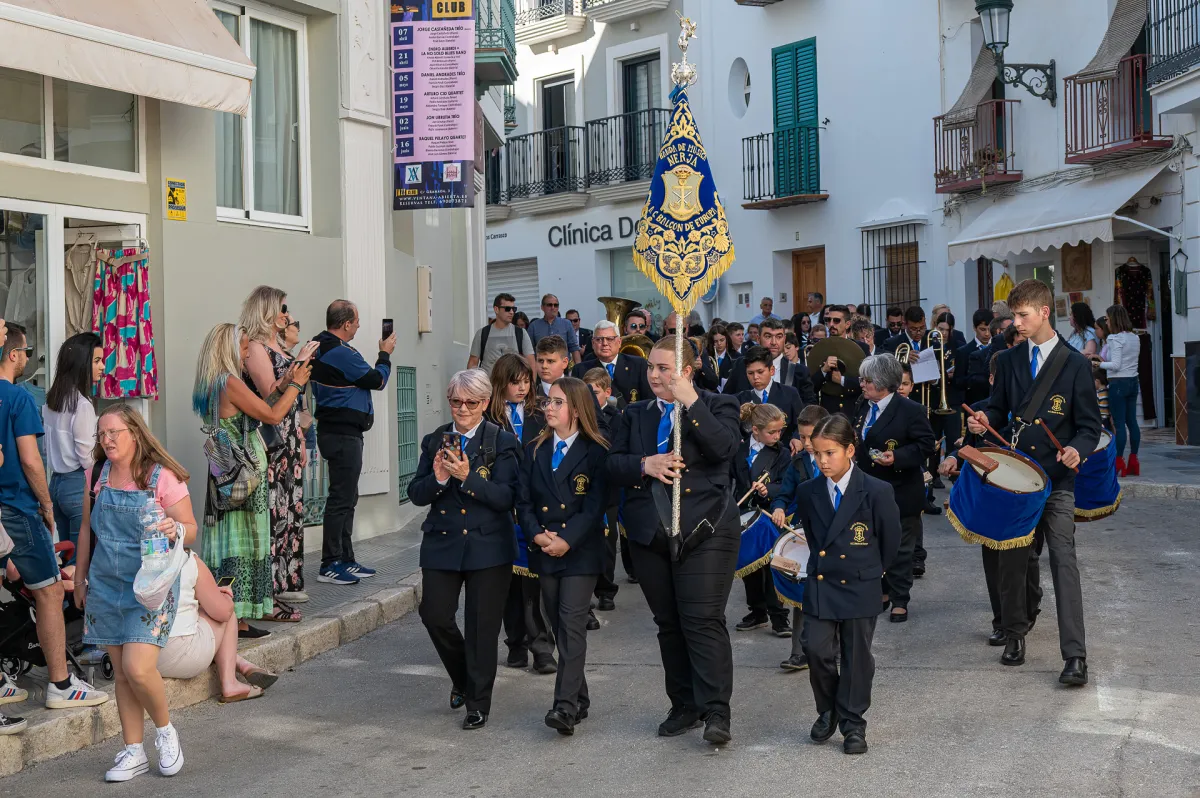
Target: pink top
{"type": "Point", "coordinates": [169, 491]}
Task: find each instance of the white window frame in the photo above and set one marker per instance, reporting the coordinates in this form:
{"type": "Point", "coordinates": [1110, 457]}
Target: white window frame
{"type": "Point", "coordinates": [618, 54]}
{"type": "Point", "coordinates": [47, 160]}
{"type": "Point", "coordinates": [245, 12]}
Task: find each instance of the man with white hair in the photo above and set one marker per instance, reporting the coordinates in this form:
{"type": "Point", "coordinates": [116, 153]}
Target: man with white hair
{"type": "Point", "coordinates": [627, 372]}
{"type": "Point", "coordinates": [765, 307]}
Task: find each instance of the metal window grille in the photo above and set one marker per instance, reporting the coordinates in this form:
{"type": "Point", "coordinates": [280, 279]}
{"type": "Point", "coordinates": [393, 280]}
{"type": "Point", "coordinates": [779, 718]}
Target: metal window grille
{"type": "Point", "coordinates": [407, 443]}
{"type": "Point", "coordinates": [1174, 38]}
{"type": "Point", "coordinates": [891, 264]}
{"type": "Point", "coordinates": [316, 478]}
{"type": "Point", "coordinates": [983, 270]}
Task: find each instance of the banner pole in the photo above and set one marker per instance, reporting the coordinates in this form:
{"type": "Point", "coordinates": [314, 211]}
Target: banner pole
{"type": "Point", "coordinates": [678, 427]}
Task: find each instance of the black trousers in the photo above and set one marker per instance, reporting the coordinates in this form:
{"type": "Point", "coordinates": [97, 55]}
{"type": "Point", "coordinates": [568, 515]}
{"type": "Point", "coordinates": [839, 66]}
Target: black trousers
{"type": "Point", "coordinates": [761, 597]}
{"type": "Point", "coordinates": [688, 602]}
{"type": "Point", "coordinates": [898, 581]}
{"type": "Point", "coordinates": [525, 626]}
{"type": "Point", "coordinates": [1033, 586]}
{"type": "Point", "coordinates": [1057, 529]}
{"type": "Point", "coordinates": [568, 600]}
{"type": "Point", "coordinates": [797, 637]}
{"type": "Point", "coordinates": [606, 584]}
{"type": "Point", "coordinates": [947, 426]}
{"type": "Point", "coordinates": [847, 692]}
{"type": "Point", "coordinates": [344, 454]}
{"type": "Point", "coordinates": [627, 559]}
{"type": "Point", "coordinates": [468, 656]}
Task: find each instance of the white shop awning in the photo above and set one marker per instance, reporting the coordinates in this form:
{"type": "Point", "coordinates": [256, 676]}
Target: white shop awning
{"type": "Point", "coordinates": [1067, 214]}
{"type": "Point", "coordinates": [174, 50]}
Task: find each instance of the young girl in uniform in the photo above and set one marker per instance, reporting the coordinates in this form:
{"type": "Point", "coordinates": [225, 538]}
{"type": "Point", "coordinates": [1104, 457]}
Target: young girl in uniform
{"type": "Point", "coordinates": [561, 504]}
{"type": "Point", "coordinates": [852, 527]}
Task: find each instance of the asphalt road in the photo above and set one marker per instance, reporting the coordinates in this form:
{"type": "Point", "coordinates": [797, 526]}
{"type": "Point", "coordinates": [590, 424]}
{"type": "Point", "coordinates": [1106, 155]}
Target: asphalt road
{"type": "Point", "coordinates": [371, 718]}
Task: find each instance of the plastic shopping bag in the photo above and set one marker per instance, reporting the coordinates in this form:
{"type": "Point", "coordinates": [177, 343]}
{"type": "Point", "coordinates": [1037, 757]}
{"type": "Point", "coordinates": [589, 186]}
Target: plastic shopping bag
{"type": "Point", "coordinates": [152, 587]}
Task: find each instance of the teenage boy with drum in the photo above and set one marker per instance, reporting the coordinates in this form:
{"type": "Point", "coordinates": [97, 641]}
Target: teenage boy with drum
{"type": "Point", "coordinates": [1043, 380]}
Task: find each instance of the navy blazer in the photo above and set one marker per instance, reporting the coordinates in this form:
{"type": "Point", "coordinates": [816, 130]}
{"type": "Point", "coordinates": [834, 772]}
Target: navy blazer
{"type": "Point", "coordinates": [787, 399]}
{"type": "Point", "coordinates": [569, 501]}
{"type": "Point", "coordinates": [711, 437]}
{"type": "Point", "coordinates": [775, 460]}
{"type": "Point", "coordinates": [903, 429]}
{"type": "Point", "coordinates": [850, 549]}
{"type": "Point", "coordinates": [1070, 410]}
{"type": "Point", "coordinates": [800, 470]}
{"type": "Point", "coordinates": [534, 423]}
{"type": "Point", "coordinates": [966, 387]}
{"type": "Point", "coordinates": [630, 383]}
{"type": "Point", "coordinates": [794, 374]}
{"type": "Point", "coordinates": [844, 404]}
{"type": "Point", "coordinates": [470, 523]}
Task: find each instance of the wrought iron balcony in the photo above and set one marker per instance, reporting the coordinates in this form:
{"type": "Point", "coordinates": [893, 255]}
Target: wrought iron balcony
{"type": "Point", "coordinates": [624, 148]}
{"type": "Point", "coordinates": [546, 20]}
{"type": "Point", "coordinates": [1174, 37]}
{"type": "Point", "coordinates": [510, 107]}
{"type": "Point", "coordinates": [495, 42]}
{"type": "Point", "coordinates": [971, 155]}
{"type": "Point", "coordinates": [782, 168]}
{"type": "Point", "coordinates": [493, 174]}
{"type": "Point", "coordinates": [1112, 117]}
{"type": "Point", "coordinates": [609, 11]}
{"type": "Point", "coordinates": [547, 162]}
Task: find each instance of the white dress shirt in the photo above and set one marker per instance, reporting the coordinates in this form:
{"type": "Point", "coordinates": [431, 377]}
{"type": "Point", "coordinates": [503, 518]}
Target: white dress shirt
{"type": "Point", "coordinates": [546, 388]}
{"type": "Point", "coordinates": [778, 368]}
{"type": "Point", "coordinates": [756, 446]}
{"type": "Point", "coordinates": [841, 484]}
{"type": "Point", "coordinates": [1044, 351]}
{"type": "Point", "coordinates": [980, 344]}
{"type": "Point", "coordinates": [70, 437]}
{"type": "Point", "coordinates": [467, 436]}
{"type": "Point", "coordinates": [568, 441]}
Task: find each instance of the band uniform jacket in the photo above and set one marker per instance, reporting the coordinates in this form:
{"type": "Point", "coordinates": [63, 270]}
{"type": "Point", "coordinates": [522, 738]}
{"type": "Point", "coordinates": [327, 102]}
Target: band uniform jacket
{"type": "Point", "coordinates": [629, 380]}
{"type": "Point", "coordinates": [786, 398]}
{"type": "Point", "coordinates": [968, 386]}
{"type": "Point", "coordinates": [902, 429]}
{"type": "Point", "coordinates": [774, 461]}
{"type": "Point", "coordinates": [794, 374]}
{"type": "Point", "coordinates": [534, 423]}
{"type": "Point", "coordinates": [470, 523]}
{"type": "Point", "coordinates": [846, 402]}
{"type": "Point", "coordinates": [1070, 409]}
{"type": "Point", "coordinates": [850, 548]}
{"type": "Point", "coordinates": [569, 501]}
{"type": "Point", "coordinates": [929, 393]}
{"type": "Point", "coordinates": [711, 436]}
{"type": "Point", "coordinates": [708, 377]}
{"type": "Point", "coordinates": [601, 419]}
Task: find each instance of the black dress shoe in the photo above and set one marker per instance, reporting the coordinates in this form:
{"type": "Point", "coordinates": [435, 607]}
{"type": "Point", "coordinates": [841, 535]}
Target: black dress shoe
{"type": "Point", "coordinates": [930, 509]}
{"type": "Point", "coordinates": [517, 659]}
{"type": "Point", "coordinates": [545, 666]}
{"type": "Point", "coordinates": [457, 698]}
{"type": "Point", "coordinates": [997, 638]}
{"type": "Point", "coordinates": [474, 720]}
{"type": "Point", "coordinates": [1075, 672]}
{"type": "Point", "coordinates": [606, 604]}
{"type": "Point", "coordinates": [796, 663]}
{"type": "Point", "coordinates": [937, 483]}
{"type": "Point", "coordinates": [918, 570]}
{"type": "Point", "coordinates": [561, 722]}
{"type": "Point", "coordinates": [898, 617]}
{"type": "Point", "coordinates": [1033, 620]}
{"type": "Point", "coordinates": [593, 623]}
{"type": "Point", "coordinates": [581, 715]}
{"type": "Point", "coordinates": [716, 730]}
{"type": "Point", "coordinates": [1014, 651]}
{"type": "Point", "coordinates": [855, 743]}
{"type": "Point", "coordinates": [631, 579]}
{"type": "Point", "coordinates": [825, 726]}
{"type": "Point", "coordinates": [752, 621]}
{"type": "Point", "coordinates": [679, 721]}
{"type": "Point", "coordinates": [781, 628]}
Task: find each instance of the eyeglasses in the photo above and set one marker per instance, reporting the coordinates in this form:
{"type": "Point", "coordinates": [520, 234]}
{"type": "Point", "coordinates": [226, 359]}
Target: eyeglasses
{"type": "Point", "coordinates": [295, 324]}
{"type": "Point", "coordinates": [111, 434]}
{"type": "Point", "coordinates": [605, 339]}
{"type": "Point", "coordinates": [549, 304]}
{"type": "Point", "coordinates": [470, 404]}
{"type": "Point", "coordinates": [634, 327]}
{"type": "Point", "coordinates": [556, 402]}
{"type": "Point", "coordinates": [28, 350]}
{"type": "Point", "coordinates": [508, 308]}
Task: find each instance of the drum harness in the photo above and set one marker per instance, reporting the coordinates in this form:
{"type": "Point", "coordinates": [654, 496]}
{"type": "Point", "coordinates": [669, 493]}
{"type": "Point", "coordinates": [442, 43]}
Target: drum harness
{"type": "Point", "coordinates": [1042, 385]}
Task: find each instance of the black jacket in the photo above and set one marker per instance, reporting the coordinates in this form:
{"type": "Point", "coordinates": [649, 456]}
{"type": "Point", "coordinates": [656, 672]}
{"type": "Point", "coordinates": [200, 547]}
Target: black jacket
{"type": "Point", "coordinates": [711, 436]}
{"type": "Point", "coordinates": [903, 429]}
{"type": "Point", "coordinates": [849, 549]}
{"type": "Point", "coordinates": [786, 398]}
{"type": "Point", "coordinates": [931, 392]}
{"type": "Point", "coordinates": [798, 472]}
{"type": "Point", "coordinates": [967, 386]}
{"type": "Point", "coordinates": [708, 378]}
{"type": "Point", "coordinates": [470, 524]}
{"type": "Point", "coordinates": [847, 402]}
{"type": "Point", "coordinates": [630, 383]}
{"type": "Point", "coordinates": [342, 383]}
{"type": "Point", "coordinates": [569, 501]}
{"type": "Point", "coordinates": [772, 459]}
{"type": "Point", "coordinates": [1070, 410]}
{"type": "Point", "coordinates": [534, 423]}
{"type": "Point", "coordinates": [793, 374]}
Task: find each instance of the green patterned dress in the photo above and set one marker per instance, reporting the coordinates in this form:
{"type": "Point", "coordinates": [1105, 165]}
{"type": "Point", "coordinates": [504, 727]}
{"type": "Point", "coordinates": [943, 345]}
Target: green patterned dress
{"type": "Point", "coordinates": [239, 543]}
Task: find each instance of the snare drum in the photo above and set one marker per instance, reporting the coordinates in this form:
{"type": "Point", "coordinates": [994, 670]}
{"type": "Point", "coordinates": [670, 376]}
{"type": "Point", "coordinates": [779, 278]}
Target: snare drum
{"type": "Point", "coordinates": [521, 563]}
{"type": "Point", "coordinates": [789, 570]}
{"type": "Point", "coordinates": [1097, 493]}
{"type": "Point", "coordinates": [1000, 510]}
{"type": "Point", "coordinates": [758, 536]}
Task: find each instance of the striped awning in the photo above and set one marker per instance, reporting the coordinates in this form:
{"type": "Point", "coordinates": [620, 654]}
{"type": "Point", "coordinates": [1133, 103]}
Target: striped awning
{"type": "Point", "coordinates": [978, 89]}
{"type": "Point", "coordinates": [1128, 19]}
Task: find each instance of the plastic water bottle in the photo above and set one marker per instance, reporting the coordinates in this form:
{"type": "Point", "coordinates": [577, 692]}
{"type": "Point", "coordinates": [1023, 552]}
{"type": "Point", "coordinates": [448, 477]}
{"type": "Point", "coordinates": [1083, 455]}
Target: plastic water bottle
{"type": "Point", "coordinates": [156, 547]}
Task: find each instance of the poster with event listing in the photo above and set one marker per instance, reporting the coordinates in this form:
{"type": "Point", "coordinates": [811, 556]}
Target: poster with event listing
{"type": "Point", "coordinates": [433, 115]}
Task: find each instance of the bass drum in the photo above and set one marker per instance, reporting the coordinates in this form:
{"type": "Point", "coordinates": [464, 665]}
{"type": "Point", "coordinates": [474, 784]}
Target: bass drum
{"type": "Point", "coordinates": [758, 536]}
{"type": "Point", "coordinates": [999, 510]}
{"type": "Point", "coordinates": [1097, 492]}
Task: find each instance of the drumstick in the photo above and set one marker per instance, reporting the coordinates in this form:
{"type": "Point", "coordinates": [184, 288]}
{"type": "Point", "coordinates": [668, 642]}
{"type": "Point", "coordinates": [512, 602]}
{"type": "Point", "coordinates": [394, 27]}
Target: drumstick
{"type": "Point", "coordinates": [753, 486]}
{"type": "Point", "coordinates": [1053, 439]}
{"type": "Point", "coordinates": [987, 426]}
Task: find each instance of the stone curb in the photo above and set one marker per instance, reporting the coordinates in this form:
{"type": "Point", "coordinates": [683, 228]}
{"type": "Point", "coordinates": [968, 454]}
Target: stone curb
{"type": "Point", "coordinates": [52, 733]}
{"type": "Point", "coordinates": [1160, 490]}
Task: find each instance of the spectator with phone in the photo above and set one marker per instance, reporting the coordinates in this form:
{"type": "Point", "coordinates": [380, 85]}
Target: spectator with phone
{"type": "Point", "coordinates": [342, 385]}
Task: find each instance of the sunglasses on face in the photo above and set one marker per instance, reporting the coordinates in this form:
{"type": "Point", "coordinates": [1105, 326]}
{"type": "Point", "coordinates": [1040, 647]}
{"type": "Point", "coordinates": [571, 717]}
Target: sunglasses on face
{"type": "Point", "coordinates": [670, 330]}
{"type": "Point", "coordinates": [28, 350]}
{"type": "Point", "coordinates": [508, 308]}
{"type": "Point", "coordinates": [283, 308]}
{"type": "Point", "coordinates": [470, 404]}
{"type": "Point", "coordinates": [550, 305]}
{"type": "Point", "coordinates": [295, 324]}
{"type": "Point", "coordinates": [637, 326]}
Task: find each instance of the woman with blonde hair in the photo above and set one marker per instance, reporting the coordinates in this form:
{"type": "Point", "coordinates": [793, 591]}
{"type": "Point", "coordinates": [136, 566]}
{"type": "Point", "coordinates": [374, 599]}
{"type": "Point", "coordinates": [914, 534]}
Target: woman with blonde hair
{"type": "Point", "coordinates": [237, 543]}
{"type": "Point", "coordinates": [266, 320]}
{"type": "Point", "coordinates": [135, 471]}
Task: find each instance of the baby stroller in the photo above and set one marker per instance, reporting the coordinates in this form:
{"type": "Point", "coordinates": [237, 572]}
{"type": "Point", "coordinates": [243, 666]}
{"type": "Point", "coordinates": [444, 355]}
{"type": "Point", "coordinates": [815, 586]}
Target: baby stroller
{"type": "Point", "coordinates": [20, 650]}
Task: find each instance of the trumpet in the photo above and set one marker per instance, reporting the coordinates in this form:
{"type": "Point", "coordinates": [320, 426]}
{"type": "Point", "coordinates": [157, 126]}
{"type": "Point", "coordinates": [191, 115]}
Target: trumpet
{"type": "Point", "coordinates": [942, 409]}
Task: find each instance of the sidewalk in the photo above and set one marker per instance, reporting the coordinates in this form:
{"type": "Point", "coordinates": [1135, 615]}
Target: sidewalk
{"type": "Point", "coordinates": [333, 616]}
{"type": "Point", "coordinates": [1168, 471]}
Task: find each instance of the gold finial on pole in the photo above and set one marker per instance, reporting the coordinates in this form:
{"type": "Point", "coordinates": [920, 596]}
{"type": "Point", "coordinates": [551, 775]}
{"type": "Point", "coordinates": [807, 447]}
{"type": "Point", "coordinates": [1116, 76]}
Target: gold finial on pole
{"type": "Point", "coordinates": [684, 73]}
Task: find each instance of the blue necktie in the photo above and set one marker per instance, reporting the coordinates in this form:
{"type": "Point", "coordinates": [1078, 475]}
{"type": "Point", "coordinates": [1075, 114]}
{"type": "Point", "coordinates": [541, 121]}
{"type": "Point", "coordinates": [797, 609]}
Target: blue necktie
{"type": "Point", "coordinates": [560, 451]}
{"type": "Point", "coordinates": [764, 397]}
{"type": "Point", "coordinates": [611, 368]}
{"type": "Point", "coordinates": [837, 497]}
{"type": "Point", "coordinates": [750, 459]}
{"type": "Point", "coordinates": [1033, 363]}
{"type": "Point", "coordinates": [871, 419]}
{"type": "Point", "coordinates": [664, 428]}
{"type": "Point", "coordinates": [517, 425]}
{"type": "Point", "coordinates": [812, 462]}
{"type": "Point", "coordinates": [916, 346]}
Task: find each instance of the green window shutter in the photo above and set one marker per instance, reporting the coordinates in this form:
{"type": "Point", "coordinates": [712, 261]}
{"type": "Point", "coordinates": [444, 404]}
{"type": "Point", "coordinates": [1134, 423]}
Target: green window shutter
{"type": "Point", "coordinates": [796, 151]}
{"type": "Point", "coordinates": [407, 443]}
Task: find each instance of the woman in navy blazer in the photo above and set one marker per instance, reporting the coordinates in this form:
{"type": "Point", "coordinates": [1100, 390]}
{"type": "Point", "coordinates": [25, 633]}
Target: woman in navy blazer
{"type": "Point", "coordinates": [470, 488]}
{"type": "Point", "coordinates": [561, 503]}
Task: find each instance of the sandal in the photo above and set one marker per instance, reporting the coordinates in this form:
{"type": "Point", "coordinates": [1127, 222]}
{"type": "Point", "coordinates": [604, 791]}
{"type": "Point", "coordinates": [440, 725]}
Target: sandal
{"type": "Point", "coordinates": [284, 613]}
{"type": "Point", "coordinates": [253, 693]}
{"type": "Point", "coordinates": [260, 678]}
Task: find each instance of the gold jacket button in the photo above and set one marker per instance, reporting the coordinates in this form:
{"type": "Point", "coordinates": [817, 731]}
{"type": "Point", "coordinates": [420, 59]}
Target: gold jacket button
{"type": "Point", "coordinates": [464, 511]}
{"type": "Point", "coordinates": [545, 509]}
{"type": "Point", "coordinates": [843, 581]}
{"type": "Point", "coordinates": [443, 512]}
{"type": "Point", "coordinates": [464, 531]}
{"type": "Point", "coordinates": [842, 556]}
{"type": "Point", "coordinates": [443, 531]}
{"type": "Point", "coordinates": [564, 526]}
{"type": "Point", "coordinates": [563, 506]}
{"type": "Point", "coordinates": [821, 554]}
{"type": "Point", "coordinates": [820, 577]}
{"type": "Point", "coordinates": [687, 490]}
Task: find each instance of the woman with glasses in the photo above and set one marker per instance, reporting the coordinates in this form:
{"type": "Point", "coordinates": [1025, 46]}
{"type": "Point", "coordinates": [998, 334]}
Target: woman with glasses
{"type": "Point", "coordinates": [467, 478]}
{"type": "Point", "coordinates": [69, 417]}
{"type": "Point", "coordinates": [237, 542]}
{"type": "Point", "coordinates": [266, 321]}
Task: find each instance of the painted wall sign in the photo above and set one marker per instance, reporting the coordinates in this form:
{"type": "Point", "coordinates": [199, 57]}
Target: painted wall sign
{"type": "Point", "coordinates": [177, 200]}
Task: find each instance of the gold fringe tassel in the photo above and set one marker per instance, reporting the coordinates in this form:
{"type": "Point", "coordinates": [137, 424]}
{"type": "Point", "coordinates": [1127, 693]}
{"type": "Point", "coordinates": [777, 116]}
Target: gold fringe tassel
{"type": "Point", "coordinates": [742, 573]}
{"type": "Point", "coordinates": [697, 289]}
{"type": "Point", "coordinates": [787, 602]}
{"type": "Point", "coordinates": [1100, 512]}
{"type": "Point", "coordinates": [997, 545]}
{"type": "Point", "coordinates": [522, 571]}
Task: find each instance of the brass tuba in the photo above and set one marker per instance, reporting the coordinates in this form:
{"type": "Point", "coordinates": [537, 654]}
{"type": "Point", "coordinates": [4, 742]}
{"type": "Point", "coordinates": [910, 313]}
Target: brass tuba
{"type": "Point", "coordinates": [849, 354]}
{"type": "Point", "coordinates": [615, 310]}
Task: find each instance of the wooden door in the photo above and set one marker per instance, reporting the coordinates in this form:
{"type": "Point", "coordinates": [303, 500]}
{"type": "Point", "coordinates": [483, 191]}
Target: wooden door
{"type": "Point", "coordinates": [808, 275]}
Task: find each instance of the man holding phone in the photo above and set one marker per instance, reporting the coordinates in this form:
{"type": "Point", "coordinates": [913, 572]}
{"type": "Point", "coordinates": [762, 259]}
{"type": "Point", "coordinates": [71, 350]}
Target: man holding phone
{"type": "Point", "coordinates": [342, 384]}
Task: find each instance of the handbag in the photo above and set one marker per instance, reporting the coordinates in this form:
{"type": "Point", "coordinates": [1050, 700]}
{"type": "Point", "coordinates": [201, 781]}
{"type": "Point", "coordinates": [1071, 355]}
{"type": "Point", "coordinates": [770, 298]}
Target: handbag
{"type": "Point", "coordinates": [233, 468]}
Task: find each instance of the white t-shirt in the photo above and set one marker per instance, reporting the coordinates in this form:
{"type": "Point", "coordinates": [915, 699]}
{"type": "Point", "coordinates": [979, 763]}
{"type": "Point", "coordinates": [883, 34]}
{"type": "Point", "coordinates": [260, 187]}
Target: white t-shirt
{"type": "Point", "coordinates": [500, 342]}
{"type": "Point", "coordinates": [70, 437]}
{"type": "Point", "coordinates": [187, 613]}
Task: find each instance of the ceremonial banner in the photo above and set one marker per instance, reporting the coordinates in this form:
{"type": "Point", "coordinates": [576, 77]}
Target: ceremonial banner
{"type": "Point", "coordinates": [433, 112]}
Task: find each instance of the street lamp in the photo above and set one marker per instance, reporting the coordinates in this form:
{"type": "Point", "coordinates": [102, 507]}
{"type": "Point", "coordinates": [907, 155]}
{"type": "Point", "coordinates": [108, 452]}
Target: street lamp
{"type": "Point", "coordinates": [1038, 79]}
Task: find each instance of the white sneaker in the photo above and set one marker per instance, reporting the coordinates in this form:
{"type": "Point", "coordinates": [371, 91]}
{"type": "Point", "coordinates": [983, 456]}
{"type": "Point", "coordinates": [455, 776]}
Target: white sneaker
{"type": "Point", "coordinates": [9, 692]}
{"type": "Point", "coordinates": [130, 762]}
{"type": "Point", "coordinates": [78, 694]}
{"type": "Point", "coordinates": [170, 754]}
